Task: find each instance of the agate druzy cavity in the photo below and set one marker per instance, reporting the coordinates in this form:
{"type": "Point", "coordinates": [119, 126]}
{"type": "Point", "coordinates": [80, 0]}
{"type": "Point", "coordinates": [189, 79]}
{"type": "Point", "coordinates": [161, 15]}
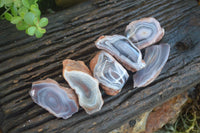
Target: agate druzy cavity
{"type": "Point", "coordinates": [110, 74]}
{"type": "Point", "coordinates": [123, 50]}
{"type": "Point", "coordinates": [59, 101]}
{"type": "Point", "coordinates": [144, 32]}
{"type": "Point", "coordinates": [155, 57]}
{"type": "Point", "coordinates": [79, 77]}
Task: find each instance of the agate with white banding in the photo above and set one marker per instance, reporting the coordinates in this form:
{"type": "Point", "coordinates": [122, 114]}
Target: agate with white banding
{"type": "Point", "coordinates": [59, 101]}
{"type": "Point", "coordinates": [144, 32]}
{"type": "Point", "coordinates": [110, 74]}
{"type": "Point", "coordinates": [155, 57]}
{"type": "Point", "coordinates": [79, 77]}
{"type": "Point", "coordinates": [123, 50]}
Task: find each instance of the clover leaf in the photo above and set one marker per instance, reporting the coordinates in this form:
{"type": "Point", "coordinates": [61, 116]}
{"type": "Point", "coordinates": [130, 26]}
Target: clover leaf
{"type": "Point", "coordinates": [26, 15]}
{"type": "Point", "coordinates": [29, 18]}
{"type": "Point", "coordinates": [43, 22]}
{"type": "Point", "coordinates": [8, 16]}
{"type": "Point", "coordinates": [31, 30]}
{"type": "Point", "coordinates": [26, 3]}
{"type": "Point", "coordinates": [15, 20]}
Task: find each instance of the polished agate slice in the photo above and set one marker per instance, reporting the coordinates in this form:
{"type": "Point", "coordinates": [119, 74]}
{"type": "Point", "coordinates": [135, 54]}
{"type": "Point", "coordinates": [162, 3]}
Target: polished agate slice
{"type": "Point", "coordinates": [110, 74]}
{"type": "Point", "coordinates": [59, 101]}
{"type": "Point", "coordinates": [144, 32]}
{"type": "Point", "coordinates": [123, 50]}
{"type": "Point", "coordinates": [155, 57]}
{"type": "Point", "coordinates": [79, 77]}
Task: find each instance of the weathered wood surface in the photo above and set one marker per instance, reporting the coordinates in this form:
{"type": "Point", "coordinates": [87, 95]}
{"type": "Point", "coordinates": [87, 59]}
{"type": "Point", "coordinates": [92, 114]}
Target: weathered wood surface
{"type": "Point", "coordinates": [71, 34]}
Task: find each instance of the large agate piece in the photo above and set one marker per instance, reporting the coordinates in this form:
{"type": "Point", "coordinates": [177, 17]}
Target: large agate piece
{"type": "Point", "coordinates": [155, 57]}
{"type": "Point", "coordinates": [79, 77]}
{"type": "Point", "coordinates": [144, 32]}
{"type": "Point", "coordinates": [60, 101]}
{"type": "Point", "coordinates": [123, 50]}
{"type": "Point", "coordinates": [110, 74]}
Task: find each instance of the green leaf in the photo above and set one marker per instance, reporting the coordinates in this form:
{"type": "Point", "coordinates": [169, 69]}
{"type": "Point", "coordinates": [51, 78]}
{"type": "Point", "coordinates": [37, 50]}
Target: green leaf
{"type": "Point", "coordinates": [22, 25]}
{"type": "Point", "coordinates": [22, 11]}
{"type": "Point", "coordinates": [29, 18]}
{"type": "Point", "coordinates": [26, 3]}
{"type": "Point", "coordinates": [36, 21]}
{"type": "Point", "coordinates": [38, 34]}
{"type": "Point", "coordinates": [31, 30]}
{"type": "Point", "coordinates": [8, 3]}
{"type": "Point", "coordinates": [42, 30]}
{"type": "Point", "coordinates": [43, 22]}
{"type": "Point", "coordinates": [34, 9]}
{"type": "Point", "coordinates": [18, 3]}
{"type": "Point", "coordinates": [33, 1]}
{"type": "Point", "coordinates": [1, 3]}
{"type": "Point", "coordinates": [8, 16]}
{"type": "Point", "coordinates": [15, 20]}
{"type": "Point", "coordinates": [13, 10]}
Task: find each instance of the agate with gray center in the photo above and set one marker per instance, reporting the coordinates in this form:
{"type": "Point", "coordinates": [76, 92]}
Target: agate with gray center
{"type": "Point", "coordinates": [87, 89]}
{"type": "Point", "coordinates": [109, 72]}
{"type": "Point", "coordinates": [155, 57]}
{"type": "Point", "coordinates": [121, 48]}
{"type": "Point", "coordinates": [54, 99]}
{"type": "Point", "coordinates": [144, 32]}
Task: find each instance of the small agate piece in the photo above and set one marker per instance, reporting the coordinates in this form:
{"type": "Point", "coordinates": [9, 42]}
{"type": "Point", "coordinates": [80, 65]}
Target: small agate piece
{"type": "Point", "coordinates": [59, 101]}
{"type": "Point", "coordinates": [144, 32]}
{"type": "Point", "coordinates": [110, 74]}
{"type": "Point", "coordinates": [123, 50]}
{"type": "Point", "coordinates": [79, 77]}
{"type": "Point", "coordinates": [155, 57]}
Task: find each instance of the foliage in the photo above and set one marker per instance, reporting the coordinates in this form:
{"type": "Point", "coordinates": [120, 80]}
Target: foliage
{"type": "Point", "coordinates": [25, 14]}
{"type": "Point", "coordinates": [189, 119]}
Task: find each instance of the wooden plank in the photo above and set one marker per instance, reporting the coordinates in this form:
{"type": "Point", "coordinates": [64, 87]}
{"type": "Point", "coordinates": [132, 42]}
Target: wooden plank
{"type": "Point", "coordinates": [71, 34]}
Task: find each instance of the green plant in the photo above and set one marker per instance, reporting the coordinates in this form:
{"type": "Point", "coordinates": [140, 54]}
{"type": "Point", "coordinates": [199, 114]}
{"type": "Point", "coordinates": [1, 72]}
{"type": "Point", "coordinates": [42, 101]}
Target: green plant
{"type": "Point", "coordinates": [26, 15]}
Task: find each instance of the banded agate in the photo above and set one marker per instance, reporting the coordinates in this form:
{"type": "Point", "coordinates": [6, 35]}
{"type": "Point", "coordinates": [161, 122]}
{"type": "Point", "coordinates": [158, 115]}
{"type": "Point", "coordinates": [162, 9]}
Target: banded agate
{"type": "Point", "coordinates": [79, 77]}
{"type": "Point", "coordinates": [59, 101]}
{"type": "Point", "coordinates": [110, 74]}
{"type": "Point", "coordinates": [155, 57]}
{"type": "Point", "coordinates": [123, 50]}
{"type": "Point", "coordinates": [144, 32]}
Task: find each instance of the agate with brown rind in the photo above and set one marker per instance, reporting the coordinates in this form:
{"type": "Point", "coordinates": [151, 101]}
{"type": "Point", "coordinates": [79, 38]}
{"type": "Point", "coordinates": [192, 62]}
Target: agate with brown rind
{"type": "Point", "coordinates": [110, 74]}
{"type": "Point", "coordinates": [144, 32]}
{"type": "Point", "coordinates": [79, 77]}
{"type": "Point", "coordinates": [59, 101]}
{"type": "Point", "coordinates": [155, 57]}
{"type": "Point", "coordinates": [123, 50]}
{"type": "Point", "coordinates": [72, 65]}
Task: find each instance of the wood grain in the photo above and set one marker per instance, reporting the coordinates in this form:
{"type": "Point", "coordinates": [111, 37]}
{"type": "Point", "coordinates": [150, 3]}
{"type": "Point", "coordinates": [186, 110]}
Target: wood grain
{"type": "Point", "coordinates": [71, 34]}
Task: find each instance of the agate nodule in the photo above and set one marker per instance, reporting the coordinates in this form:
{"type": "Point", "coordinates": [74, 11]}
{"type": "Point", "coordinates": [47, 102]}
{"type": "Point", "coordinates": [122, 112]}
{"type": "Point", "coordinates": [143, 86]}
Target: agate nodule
{"type": "Point", "coordinates": [144, 32]}
{"type": "Point", "coordinates": [79, 77]}
{"type": "Point", "coordinates": [110, 74]}
{"type": "Point", "coordinates": [155, 57]}
{"type": "Point", "coordinates": [123, 50]}
{"type": "Point", "coordinates": [59, 101]}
